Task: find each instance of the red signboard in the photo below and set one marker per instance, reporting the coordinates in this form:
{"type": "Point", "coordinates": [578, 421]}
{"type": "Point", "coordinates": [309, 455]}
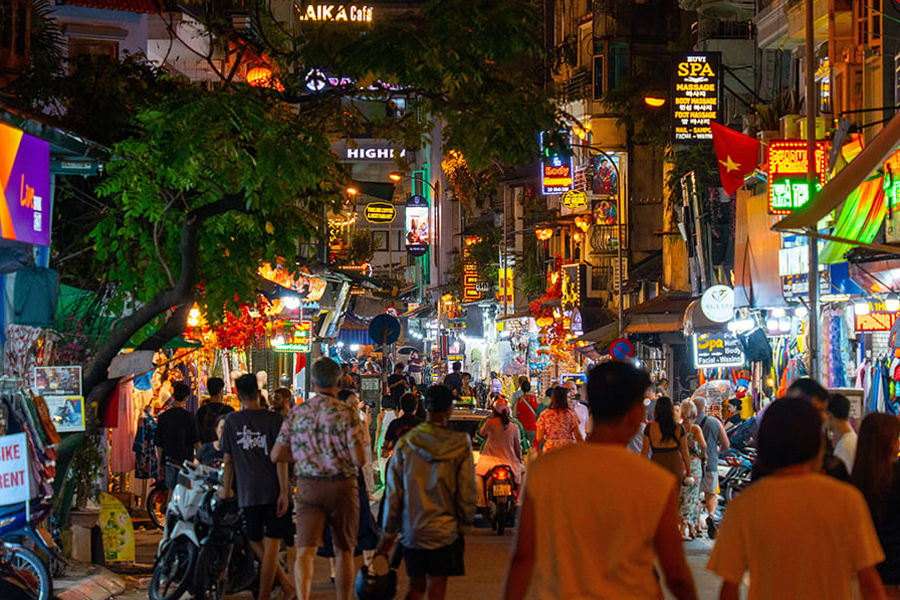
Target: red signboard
{"type": "Point", "coordinates": [875, 321]}
{"type": "Point", "coordinates": [788, 166]}
{"type": "Point", "coordinates": [470, 272]}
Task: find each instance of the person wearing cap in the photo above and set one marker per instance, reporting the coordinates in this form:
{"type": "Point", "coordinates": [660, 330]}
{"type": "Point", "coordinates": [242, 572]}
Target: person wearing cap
{"type": "Point", "coordinates": [502, 446]}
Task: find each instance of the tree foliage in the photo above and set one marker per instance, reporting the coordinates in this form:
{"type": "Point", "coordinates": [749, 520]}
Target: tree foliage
{"type": "Point", "coordinates": [206, 184]}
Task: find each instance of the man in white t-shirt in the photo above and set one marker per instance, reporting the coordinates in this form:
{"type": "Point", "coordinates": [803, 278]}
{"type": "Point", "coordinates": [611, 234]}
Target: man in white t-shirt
{"type": "Point", "coordinates": [799, 533]}
{"type": "Point", "coordinates": [596, 518]}
{"type": "Point", "coordinates": [842, 435]}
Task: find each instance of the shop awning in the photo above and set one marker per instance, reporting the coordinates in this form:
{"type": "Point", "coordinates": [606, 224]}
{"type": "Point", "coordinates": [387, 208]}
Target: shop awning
{"type": "Point", "coordinates": [604, 334]}
{"type": "Point", "coordinates": [696, 322]}
{"type": "Point", "coordinates": [847, 180]}
{"type": "Point", "coordinates": [661, 314]}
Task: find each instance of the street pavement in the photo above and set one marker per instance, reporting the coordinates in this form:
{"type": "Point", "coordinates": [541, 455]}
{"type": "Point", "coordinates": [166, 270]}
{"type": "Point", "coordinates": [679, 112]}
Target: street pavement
{"type": "Point", "coordinates": [486, 558]}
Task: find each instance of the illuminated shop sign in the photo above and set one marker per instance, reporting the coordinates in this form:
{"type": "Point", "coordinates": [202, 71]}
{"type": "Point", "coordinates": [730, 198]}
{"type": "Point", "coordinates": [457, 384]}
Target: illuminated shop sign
{"type": "Point", "coordinates": [788, 166]}
{"type": "Point", "coordinates": [311, 289]}
{"type": "Point", "coordinates": [335, 12]}
{"type": "Point", "coordinates": [381, 153]}
{"type": "Point", "coordinates": [605, 170]}
{"type": "Point", "coordinates": [25, 177]}
{"type": "Point", "coordinates": [298, 340]}
{"type": "Point", "coordinates": [471, 289]}
{"type": "Point", "coordinates": [556, 168]}
{"type": "Point", "coordinates": [717, 350]}
{"type": "Point", "coordinates": [695, 90]}
{"type": "Point", "coordinates": [878, 319]}
{"type": "Point", "coordinates": [380, 212]}
{"type": "Point", "coordinates": [417, 234]}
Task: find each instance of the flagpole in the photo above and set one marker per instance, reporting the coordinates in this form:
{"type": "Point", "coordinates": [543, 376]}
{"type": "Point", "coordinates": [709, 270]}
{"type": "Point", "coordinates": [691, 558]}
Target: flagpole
{"type": "Point", "coordinates": [813, 242]}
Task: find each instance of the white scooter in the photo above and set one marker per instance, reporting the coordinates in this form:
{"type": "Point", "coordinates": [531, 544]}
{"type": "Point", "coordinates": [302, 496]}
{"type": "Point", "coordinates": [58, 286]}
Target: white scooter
{"type": "Point", "coordinates": [173, 573]}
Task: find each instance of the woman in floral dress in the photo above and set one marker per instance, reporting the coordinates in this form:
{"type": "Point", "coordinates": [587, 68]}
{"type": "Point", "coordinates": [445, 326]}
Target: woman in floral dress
{"type": "Point", "coordinates": [689, 498]}
{"type": "Point", "coordinates": [558, 425]}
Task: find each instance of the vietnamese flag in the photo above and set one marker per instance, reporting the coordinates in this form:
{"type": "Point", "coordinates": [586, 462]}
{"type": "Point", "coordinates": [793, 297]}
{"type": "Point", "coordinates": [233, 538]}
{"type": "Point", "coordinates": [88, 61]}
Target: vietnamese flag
{"type": "Point", "coordinates": [736, 154]}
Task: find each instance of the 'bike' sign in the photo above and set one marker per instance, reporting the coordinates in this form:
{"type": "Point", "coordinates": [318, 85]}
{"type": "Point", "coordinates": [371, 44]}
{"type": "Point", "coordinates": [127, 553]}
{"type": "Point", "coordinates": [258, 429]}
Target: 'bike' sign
{"type": "Point", "coordinates": [718, 350]}
{"type": "Point", "coordinates": [14, 482]}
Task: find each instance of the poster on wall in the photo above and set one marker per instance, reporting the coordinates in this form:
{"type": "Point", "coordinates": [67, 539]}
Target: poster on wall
{"type": "Point", "coordinates": [605, 172]}
{"type": "Point", "coordinates": [57, 381]}
{"type": "Point", "coordinates": [417, 233]}
{"type": "Point", "coordinates": [25, 177]}
{"type": "Point", "coordinates": [67, 412]}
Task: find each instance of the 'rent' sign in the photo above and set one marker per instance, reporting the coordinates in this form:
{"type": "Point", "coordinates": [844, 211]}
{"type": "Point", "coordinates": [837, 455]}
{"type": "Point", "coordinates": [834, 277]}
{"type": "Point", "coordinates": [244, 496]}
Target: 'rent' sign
{"type": "Point", "coordinates": [695, 96]}
{"type": "Point", "coordinates": [14, 481]}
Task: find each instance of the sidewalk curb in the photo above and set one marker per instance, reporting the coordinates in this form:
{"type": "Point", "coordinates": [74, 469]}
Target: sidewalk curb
{"type": "Point", "coordinates": [101, 586]}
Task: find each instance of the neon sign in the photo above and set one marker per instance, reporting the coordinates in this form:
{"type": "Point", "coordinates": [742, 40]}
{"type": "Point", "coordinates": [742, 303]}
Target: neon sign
{"type": "Point", "coordinates": [695, 90]}
{"type": "Point", "coordinates": [470, 272]}
{"type": "Point", "coordinates": [300, 339]}
{"type": "Point", "coordinates": [556, 168]}
{"type": "Point", "coordinates": [335, 12]}
{"type": "Point", "coordinates": [380, 212]}
{"type": "Point", "coordinates": [788, 166]}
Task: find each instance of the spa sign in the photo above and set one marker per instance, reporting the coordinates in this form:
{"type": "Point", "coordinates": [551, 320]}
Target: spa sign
{"type": "Point", "coordinates": [695, 94]}
{"type": "Point", "coordinates": [718, 350]}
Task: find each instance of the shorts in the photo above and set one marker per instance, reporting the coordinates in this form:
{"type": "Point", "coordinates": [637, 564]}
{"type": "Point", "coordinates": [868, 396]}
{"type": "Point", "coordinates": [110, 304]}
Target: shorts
{"type": "Point", "coordinates": [330, 500]}
{"type": "Point", "coordinates": [171, 476]}
{"type": "Point", "coordinates": [440, 562]}
{"type": "Point", "coordinates": [710, 482]}
{"type": "Point", "coordinates": [261, 521]}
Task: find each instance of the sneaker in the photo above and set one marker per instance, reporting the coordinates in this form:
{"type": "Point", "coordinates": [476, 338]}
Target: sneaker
{"type": "Point", "coordinates": [711, 528]}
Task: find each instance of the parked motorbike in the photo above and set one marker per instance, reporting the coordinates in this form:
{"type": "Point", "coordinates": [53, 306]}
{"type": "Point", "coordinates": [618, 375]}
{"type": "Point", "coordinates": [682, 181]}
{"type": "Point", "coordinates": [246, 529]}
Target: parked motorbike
{"type": "Point", "coordinates": [501, 493]}
{"type": "Point", "coordinates": [176, 559]}
{"type": "Point", "coordinates": [28, 551]}
{"type": "Point", "coordinates": [226, 564]}
{"type": "Point", "coordinates": [156, 503]}
{"type": "Point", "coordinates": [738, 468]}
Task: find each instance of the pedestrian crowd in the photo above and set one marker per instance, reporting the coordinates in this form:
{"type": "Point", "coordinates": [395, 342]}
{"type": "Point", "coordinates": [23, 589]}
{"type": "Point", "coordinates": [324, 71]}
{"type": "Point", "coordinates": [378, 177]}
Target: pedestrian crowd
{"type": "Point", "coordinates": [820, 518]}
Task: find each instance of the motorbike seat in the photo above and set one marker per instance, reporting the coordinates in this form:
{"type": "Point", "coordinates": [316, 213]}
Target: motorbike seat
{"type": "Point", "coordinates": [11, 509]}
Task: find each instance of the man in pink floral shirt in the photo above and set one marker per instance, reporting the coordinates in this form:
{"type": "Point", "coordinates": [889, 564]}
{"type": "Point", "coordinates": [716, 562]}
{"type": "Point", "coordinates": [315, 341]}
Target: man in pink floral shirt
{"type": "Point", "coordinates": [324, 438]}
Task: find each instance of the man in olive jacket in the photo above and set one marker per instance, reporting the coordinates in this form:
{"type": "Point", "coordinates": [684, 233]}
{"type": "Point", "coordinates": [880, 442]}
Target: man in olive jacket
{"type": "Point", "coordinates": [431, 497]}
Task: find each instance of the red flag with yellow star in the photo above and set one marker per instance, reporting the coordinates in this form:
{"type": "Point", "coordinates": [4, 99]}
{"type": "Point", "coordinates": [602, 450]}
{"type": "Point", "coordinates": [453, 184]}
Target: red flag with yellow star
{"type": "Point", "coordinates": [736, 154]}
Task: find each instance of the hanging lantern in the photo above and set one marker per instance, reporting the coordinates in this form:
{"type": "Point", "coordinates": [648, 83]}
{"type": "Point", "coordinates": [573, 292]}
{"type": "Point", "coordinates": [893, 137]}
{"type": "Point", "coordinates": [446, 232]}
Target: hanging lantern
{"type": "Point", "coordinates": [262, 77]}
{"type": "Point", "coordinates": [544, 234]}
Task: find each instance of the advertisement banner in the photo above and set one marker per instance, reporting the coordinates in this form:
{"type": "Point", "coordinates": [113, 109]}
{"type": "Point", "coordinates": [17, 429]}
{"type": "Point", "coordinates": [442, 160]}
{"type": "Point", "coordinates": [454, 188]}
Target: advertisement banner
{"type": "Point", "coordinates": [67, 412]}
{"type": "Point", "coordinates": [605, 175]}
{"type": "Point", "coordinates": [25, 178]}
{"type": "Point", "coordinates": [14, 481]}
{"type": "Point", "coordinates": [417, 234]}
{"type": "Point", "coordinates": [556, 167]}
{"type": "Point", "coordinates": [718, 350]}
{"type": "Point", "coordinates": [57, 381]}
{"type": "Point", "coordinates": [117, 528]}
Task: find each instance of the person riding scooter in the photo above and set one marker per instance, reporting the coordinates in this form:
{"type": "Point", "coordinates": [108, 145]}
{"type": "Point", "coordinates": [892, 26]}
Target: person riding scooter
{"type": "Point", "coordinates": [502, 446]}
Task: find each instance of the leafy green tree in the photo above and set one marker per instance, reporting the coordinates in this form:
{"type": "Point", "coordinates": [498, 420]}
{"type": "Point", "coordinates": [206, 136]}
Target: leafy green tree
{"type": "Point", "coordinates": [206, 185]}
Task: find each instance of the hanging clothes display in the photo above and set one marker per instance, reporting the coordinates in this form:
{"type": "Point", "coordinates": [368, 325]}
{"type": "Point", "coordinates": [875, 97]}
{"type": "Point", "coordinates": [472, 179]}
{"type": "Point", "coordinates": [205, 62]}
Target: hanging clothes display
{"type": "Point", "coordinates": [121, 459]}
{"type": "Point", "coordinates": [834, 349]}
{"type": "Point", "coordinates": [880, 391]}
{"type": "Point", "coordinates": [144, 448]}
{"type": "Point", "coordinates": [23, 414]}
{"type": "Point", "coordinates": [20, 354]}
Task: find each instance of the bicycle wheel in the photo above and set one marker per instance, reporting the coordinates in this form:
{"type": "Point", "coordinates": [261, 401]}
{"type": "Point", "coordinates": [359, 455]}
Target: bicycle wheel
{"type": "Point", "coordinates": [156, 506]}
{"type": "Point", "coordinates": [31, 570]}
{"type": "Point", "coordinates": [173, 572]}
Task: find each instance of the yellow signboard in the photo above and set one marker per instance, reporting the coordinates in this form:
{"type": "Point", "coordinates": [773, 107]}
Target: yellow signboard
{"type": "Point", "coordinates": [117, 528]}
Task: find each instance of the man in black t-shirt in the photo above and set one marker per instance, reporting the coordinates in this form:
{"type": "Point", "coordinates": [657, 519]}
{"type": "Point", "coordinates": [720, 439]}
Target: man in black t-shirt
{"type": "Point", "coordinates": [402, 424]}
{"type": "Point", "coordinates": [209, 413]}
{"type": "Point", "coordinates": [262, 487]}
{"type": "Point", "coordinates": [397, 384]}
{"type": "Point", "coordinates": [177, 437]}
{"type": "Point", "coordinates": [454, 380]}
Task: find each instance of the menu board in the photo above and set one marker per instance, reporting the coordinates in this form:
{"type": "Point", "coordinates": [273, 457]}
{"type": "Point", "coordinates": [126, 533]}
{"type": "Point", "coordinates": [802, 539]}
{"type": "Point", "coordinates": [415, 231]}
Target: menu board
{"type": "Point", "coordinates": [695, 90]}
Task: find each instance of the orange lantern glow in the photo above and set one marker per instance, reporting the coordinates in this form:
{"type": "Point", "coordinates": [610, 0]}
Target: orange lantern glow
{"type": "Point", "coordinates": [544, 234]}
{"type": "Point", "coordinates": [262, 77]}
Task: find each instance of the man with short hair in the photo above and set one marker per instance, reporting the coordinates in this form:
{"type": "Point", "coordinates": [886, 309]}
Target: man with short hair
{"type": "Point", "coordinates": [799, 534]}
{"type": "Point", "coordinates": [177, 438]}
{"type": "Point", "coordinates": [810, 390]}
{"type": "Point", "coordinates": [324, 438]}
{"type": "Point", "coordinates": [282, 401]}
{"type": "Point", "coordinates": [209, 413]}
{"type": "Point", "coordinates": [716, 443]}
{"type": "Point", "coordinates": [841, 433]}
{"type": "Point", "coordinates": [397, 383]}
{"type": "Point", "coordinates": [453, 380]}
{"type": "Point", "coordinates": [431, 518]}
{"type": "Point", "coordinates": [262, 487]}
{"type": "Point", "coordinates": [409, 403]}
{"type": "Point", "coordinates": [607, 542]}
